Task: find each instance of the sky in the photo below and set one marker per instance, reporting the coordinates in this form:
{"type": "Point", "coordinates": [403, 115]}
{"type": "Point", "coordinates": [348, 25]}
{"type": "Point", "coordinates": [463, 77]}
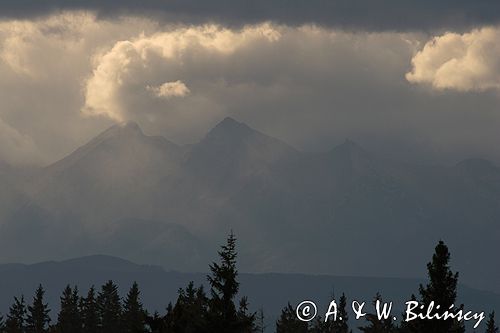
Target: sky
{"type": "Point", "coordinates": [413, 80]}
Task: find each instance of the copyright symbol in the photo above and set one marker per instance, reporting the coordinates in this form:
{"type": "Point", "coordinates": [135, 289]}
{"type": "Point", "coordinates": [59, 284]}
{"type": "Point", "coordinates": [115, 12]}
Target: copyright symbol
{"type": "Point", "coordinates": [306, 311]}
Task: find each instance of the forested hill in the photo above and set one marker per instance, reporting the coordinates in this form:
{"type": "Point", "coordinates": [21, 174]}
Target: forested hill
{"type": "Point", "coordinates": [159, 287]}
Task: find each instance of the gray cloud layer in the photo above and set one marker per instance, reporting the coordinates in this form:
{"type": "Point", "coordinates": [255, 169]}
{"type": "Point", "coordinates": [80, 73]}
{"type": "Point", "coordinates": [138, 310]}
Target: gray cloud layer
{"type": "Point", "coordinates": [65, 77]}
{"type": "Point", "coordinates": [401, 15]}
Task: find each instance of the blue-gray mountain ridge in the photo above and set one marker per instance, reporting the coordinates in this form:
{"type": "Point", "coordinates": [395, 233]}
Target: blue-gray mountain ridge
{"type": "Point", "coordinates": [346, 211]}
{"type": "Point", "coordinates": [268, 291]}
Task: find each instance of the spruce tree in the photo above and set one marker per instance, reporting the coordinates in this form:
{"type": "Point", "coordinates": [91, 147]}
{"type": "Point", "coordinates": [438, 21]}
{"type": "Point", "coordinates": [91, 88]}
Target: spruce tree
{"type": "Point", "coordinates": [38, 313]}
{"type": "Point", "coordinates": [411, 326]}
{"type": "Point", "coordinates": [190, 311]}
{"type": "Point", "coordinates": [167, 321]}
{"type": "Point", "coordinates": [342, 323]}
{"type": "Point", "coordinates": [88, 310]}
{"type": "Point", "coordinates": [69, 318]}
{"type": "Point", "coordinates": [490, 325]}
{"type": "Point", "coordinates": [109, 309]}
{"type": "Point", "coordinates": [442, 290]}
{"type": "Point", "coordinates": [157, 324]}
{"type": "Point", "coordinates": [246, 320]}
{"type": "Point", "coordinates": [133, 312]}
{"type": "Point", "coordinates": [319, 325]}
{"type": "Point", "coordinates": [222, 314]}
{"type": "Point", "coordinates": [289, 323]}
{"type": "Point", "coordinates": [378, 326]}
{"type": "Point", "coordinates": [261, 323]}
{"type": "Point", "coordinates": [16, 318]}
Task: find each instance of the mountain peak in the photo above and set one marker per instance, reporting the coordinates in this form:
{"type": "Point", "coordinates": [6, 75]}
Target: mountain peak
{"type": "Point", "coordinates": [348, 142]}
{"type": "Point", "coordinates": [352, 156]}
{"type": "Point", "coordinates": [350, 147]}
{"type": "Point", "coordinates": [231, 129]}
{"type": "Point", "coordinates": [120, 130]}
{"type": "Point", "coordinates": [233, 149]}
{"type": "Point", "coordinates": [123, 139]}
{"type": "Point", "coordinates": [229, 121]}
{"type": "Point", "coordinates": [127, 128]}
{"type": "Point", "coordinates": [130, 125]}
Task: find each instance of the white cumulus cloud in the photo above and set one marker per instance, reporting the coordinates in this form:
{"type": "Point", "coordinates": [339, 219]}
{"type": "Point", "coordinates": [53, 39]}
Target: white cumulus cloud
{"type": "Point", "coordinates": [464, 62]}
{"type": "Point", "coordinates": [43, 63]}
{"type": "Point", "coordinates": [150, 57]}
{"type": "Point", "coordinates": [249, 73]}
{"type": "Point", "coordinates": [310, 85]}
{"type": "Point", "coordinates": [170, 89]}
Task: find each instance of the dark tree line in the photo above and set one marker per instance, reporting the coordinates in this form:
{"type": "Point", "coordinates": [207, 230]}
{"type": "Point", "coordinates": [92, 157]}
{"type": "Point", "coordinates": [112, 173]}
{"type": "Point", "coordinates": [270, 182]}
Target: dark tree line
{"type": "Point", "coordinates": [441, 288]}
{"type": "Point", "coordinates": [104, 311]}
{"type": "Point", "coordinates": [198, 311]}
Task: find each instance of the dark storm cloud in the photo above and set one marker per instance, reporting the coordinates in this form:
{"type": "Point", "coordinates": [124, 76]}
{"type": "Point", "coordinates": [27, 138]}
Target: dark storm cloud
{"type": "Point", "coordinates": [401, 15]}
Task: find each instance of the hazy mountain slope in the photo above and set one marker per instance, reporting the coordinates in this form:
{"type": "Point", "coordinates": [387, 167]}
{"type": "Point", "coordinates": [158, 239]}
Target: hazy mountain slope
{"type": "Point", "coordinates": [344, 211]}
{"type": "Point", "coordinates": [231, 158]}
{"type": "Point", "coordinates": [10, 196]}
{"type": "Point", "coordinates": [232, 153]}
{"type": "Point", "coordinates": [110, 177]}
{"type": "Point", "coordinates": [155, 242]}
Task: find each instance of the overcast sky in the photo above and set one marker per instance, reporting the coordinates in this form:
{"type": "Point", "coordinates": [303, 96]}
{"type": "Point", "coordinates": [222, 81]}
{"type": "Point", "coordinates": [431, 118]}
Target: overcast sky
{"type": "Point", "coordinates": [417, 80]}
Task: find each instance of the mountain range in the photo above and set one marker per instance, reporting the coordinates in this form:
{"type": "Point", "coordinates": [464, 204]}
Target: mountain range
{"type": "Point", "coordinates": [345, 211]}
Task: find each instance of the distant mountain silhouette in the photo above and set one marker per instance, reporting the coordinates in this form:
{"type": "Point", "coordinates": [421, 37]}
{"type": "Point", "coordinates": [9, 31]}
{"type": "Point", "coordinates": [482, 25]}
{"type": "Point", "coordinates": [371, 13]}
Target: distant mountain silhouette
{"type": "Point", "coordinates": [270, 291]}
{"type": "Point", "coordinates": [345, 211]}
{"type": "Point", "coordinates": [232, 153]}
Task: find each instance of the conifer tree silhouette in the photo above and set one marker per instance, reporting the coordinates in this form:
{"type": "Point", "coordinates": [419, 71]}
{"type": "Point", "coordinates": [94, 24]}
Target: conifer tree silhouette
{"type": "Point", "coordinates": [289, 323]}
{"type": "Point", "coordinates": [222, 315]}
{"type": "Point", "coordinates": [246, 320]}
{"type": "Point", "coordinates": [319, 325]}
{"type": "Point", "coordinates": [333, 326]}
{"type": "Point", "coordinates": [190, 311]}
{"type": "Point", "coordinates": [442, 290]}
{"type": "Point", "coordinates": [109, 309]}
{"type": "Point", "coordinates": [157, 323]}
{"type": "Point", "coordinates": [167, 321]}
{"type": "Point", "coordinates": [88, 310]}
{"type": "Point", "coordinates": [16, 318]}
{"type": "Point", "coordinates": [341, 325]}
{"type": "Point", "coordinates": [38, 313]}
{"type": "Point", "coordinates": [378, 326]}
{"type": "Point", "coordinates": [261, 323]}
{"type": "Point", "coordinates": [491, 326]}
{"type": "Point", "coordinates": [412, 326]}
{"type": "Point", "coordinates": [133, 311]}
{"type": "Point", "coordinates": [69, 318]}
